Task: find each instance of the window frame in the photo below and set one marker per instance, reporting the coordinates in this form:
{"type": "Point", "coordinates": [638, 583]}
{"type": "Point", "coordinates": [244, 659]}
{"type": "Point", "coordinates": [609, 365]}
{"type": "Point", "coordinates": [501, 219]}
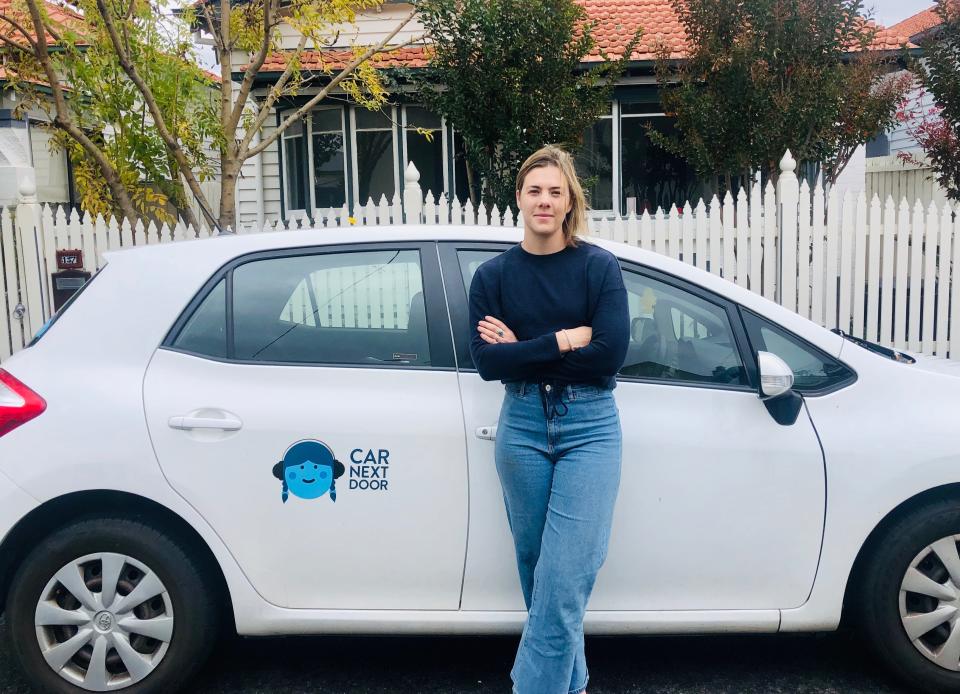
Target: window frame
{"type": "Point", "coordinates": [359, 204]}
{"type": "Point", "coordinates": [406, 152]}
{"type": "Point", "coordinates": [437, 316]}
{"type": "Point", "coordinates": [317, 212]}
{"type": "Point", "coordinates": [806, 344]}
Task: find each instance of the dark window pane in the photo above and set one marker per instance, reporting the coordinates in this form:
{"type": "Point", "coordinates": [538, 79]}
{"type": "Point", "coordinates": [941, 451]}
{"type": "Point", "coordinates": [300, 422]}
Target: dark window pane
{"type": "Point", "coordinates": [372, 119]}
{"type": "Point", "coordinates": [327, 120]}
{"type": "Point", "coordinates": [426, 155]}
{"type": "Point", "coordinates": [375, 165]}
{"type": "Point", "coordinates": [642, 107]}
{"type": "Point", "coordinates": [295, 167]}
{"type": "Point", "coordinates": [334, 308]}
{"type": "Point", "coordinates": [594, 164]}
{"type": "Point", "coordinates": [652, 177]}
{"type": "Point", "coordinates": [678, 336]}
{"type": "Point", "coordinates": [460, 178]}
{"type": "Point", "coordinates": [812, 369]}
{"type": "Point", "coordinates": [205, 332]}
{"type": "Point", "coordinates": [328, 170]}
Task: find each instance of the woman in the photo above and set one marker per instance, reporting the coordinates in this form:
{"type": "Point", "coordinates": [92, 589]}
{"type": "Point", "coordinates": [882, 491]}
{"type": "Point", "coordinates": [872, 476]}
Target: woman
{"type": "Point", "coordinates": [553, 325]}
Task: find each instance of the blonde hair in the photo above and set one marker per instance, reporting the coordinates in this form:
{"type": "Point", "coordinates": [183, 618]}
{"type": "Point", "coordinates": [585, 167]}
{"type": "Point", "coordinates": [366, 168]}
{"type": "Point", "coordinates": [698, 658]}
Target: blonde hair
{"type": "Point", "coordinates": [575, 223]}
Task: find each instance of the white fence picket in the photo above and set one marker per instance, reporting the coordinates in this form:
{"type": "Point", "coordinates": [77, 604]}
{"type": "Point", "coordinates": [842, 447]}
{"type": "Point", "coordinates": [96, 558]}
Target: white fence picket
{"type": "Point", "coordinates": [917, 239]}
{"type": "Point", "coordinates": [901, 279]}
{"type": "Point", "coordinates": [931, 242]}
{"type": "Point", "coordinates": [874, 245]}
{"type": "Point", "coordinates": [860, 267]}
{"type": "Point", "coordinates": [943, 280]}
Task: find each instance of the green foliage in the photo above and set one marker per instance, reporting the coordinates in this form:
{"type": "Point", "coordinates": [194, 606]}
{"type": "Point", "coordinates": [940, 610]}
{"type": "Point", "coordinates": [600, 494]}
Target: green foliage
{"type": "Point", "coordinates": [105, 103]}
{"type": "Point", "coordinates": [938, 131]}
{"type": "Point", "coordinates": [767, 75]}
{"type": "Point", "coordinates": [508, 75]}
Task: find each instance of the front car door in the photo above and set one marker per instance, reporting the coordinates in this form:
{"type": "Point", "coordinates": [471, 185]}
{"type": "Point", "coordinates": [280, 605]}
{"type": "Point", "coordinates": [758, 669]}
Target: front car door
{"type": "Point", "coordinates": [306, 404]}
{"type": "Point", "coordinates": [720, 507]}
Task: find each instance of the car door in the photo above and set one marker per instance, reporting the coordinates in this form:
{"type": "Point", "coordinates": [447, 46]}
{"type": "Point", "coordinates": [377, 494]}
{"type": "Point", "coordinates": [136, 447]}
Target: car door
{"type": "Point", "coordinates": [306, 405]}
{"type": "Point", "coordinates": [720, 507]}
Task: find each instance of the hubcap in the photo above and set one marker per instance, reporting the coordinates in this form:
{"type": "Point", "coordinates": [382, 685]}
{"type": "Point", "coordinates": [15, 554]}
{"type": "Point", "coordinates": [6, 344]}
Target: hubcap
{"type": "Point", "coordinates": [104, 622]}
{"type": "Point", "coordinates": [930, 602]}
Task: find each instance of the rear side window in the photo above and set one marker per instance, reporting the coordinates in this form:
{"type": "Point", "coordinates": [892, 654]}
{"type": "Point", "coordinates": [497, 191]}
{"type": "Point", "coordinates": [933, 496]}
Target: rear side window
{"type": "Point", "coordinates": [814, 372]}
{"type": "Point", "coordinates": [205, 332]}
{"type": "Point", "coordinates": [360, 308]}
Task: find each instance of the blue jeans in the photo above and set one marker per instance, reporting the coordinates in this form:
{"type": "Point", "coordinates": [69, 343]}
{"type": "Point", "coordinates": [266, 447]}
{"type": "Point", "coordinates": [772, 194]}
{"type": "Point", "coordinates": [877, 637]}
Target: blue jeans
{"type": "Point", "coordinates": [558, 452]}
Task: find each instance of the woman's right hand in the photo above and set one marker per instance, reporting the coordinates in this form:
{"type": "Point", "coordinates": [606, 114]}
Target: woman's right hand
{"type": "Point", "coordinates": [578, 337]}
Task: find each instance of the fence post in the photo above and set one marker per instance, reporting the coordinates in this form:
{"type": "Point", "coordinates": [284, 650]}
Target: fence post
{"type": "Point", "coordinates": [412, 195]}
{"type": "Point", "coordinates": [788, 199]}
{"type": "Point", "coordinates": [29, 232]}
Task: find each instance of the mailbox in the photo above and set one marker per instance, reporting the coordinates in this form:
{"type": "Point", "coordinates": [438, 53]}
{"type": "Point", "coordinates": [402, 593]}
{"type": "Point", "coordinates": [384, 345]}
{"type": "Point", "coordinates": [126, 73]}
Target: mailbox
{"type": "Point", "coordinates": [66, 283]}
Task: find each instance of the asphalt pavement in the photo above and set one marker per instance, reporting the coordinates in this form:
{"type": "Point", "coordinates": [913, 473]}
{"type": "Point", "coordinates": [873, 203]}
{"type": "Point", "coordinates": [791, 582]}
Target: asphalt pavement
{"type": "Point", "coordinates": [741, 664]}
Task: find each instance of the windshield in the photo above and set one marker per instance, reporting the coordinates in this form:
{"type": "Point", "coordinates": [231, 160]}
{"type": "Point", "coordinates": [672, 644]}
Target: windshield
{"type": "Point", "coordinates": [887, 352]}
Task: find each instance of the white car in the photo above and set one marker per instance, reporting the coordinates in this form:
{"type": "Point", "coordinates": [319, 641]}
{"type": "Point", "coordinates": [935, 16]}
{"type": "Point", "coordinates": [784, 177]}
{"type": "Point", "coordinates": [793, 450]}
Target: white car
{"type": "Point", "coordinates": [282, 433]}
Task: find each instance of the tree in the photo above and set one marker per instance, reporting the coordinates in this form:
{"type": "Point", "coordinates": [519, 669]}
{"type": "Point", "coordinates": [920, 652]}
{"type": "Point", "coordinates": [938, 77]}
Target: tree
{"type": "Point", "coordinates": [937, 129]}
{"type": "Point", "coordinates": [508, 75]}
{"type": "Point", "coordinates": [244, 34]}
{"type": "Point", "coordinates": [763, 76]}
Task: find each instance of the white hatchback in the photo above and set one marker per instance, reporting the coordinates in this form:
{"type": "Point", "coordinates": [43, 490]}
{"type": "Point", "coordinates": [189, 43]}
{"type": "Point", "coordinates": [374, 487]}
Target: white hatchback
{"type": "Point", "coordinates": [283, 433]}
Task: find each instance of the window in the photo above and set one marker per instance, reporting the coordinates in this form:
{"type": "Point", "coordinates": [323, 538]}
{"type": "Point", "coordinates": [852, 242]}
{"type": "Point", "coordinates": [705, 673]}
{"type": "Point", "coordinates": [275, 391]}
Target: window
{"type": "Point", "coordinates": [295, 166]}
{"type": "Point", "coordinates": [594, 163]}
{"type": "Point", "coordinates": [360, 308]}
{"type": "Point", "coordinates": [426, 155]}
{"type": "Point", "coordinates": [813, 371]}
{"type": "Point", "coordinates": [678, 336]}
{"type": "Point", "coordinates": [470, 261]}
{"type": "Point", "coordinates": [375, 156]}
{"type": "Point", "coordinates": [652, 177]}
{"type": "Point", "coordinates": [206, 330]}
{"type": "Point", "coordinates": [329, 168]}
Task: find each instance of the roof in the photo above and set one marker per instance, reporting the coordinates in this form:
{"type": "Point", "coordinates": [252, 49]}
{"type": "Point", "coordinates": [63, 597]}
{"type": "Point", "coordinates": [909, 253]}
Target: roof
{"type": "Point", "coordinates": [918, 23]}
{"type": "Point", "coordinates": [617, 20]}
{"type": "Point", "coordinates": [59, 16]}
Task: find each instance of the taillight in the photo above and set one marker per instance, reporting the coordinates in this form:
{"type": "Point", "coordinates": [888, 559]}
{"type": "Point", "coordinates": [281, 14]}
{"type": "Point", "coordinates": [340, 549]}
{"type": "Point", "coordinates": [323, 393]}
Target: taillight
{"type": "Point", "coordinates": [18, 404]}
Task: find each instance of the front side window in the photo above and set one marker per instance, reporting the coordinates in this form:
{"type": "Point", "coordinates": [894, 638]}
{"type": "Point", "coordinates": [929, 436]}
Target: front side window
{"type": "Point", "coordinates": [678, 336]}
{"type": "Point", "coordinates": [813, 371]}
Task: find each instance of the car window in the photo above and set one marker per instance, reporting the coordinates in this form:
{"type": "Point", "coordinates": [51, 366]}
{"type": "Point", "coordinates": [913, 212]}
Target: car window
{"type": "Point", "coordinates": [205, 332]}
{"type": "Point", "coordinates": [678, 336]}
{"type": "Point", "coordinates": [470, 261]}
{"type": "Point", "coordinates": [813, 370]}
{"type": "Point", "coordinates": [359, 308]}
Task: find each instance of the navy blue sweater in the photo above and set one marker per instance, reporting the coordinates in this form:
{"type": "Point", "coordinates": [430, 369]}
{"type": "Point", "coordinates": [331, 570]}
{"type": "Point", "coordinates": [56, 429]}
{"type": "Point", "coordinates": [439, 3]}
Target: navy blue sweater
{"type": "Point", "coordinates": [536, 295]}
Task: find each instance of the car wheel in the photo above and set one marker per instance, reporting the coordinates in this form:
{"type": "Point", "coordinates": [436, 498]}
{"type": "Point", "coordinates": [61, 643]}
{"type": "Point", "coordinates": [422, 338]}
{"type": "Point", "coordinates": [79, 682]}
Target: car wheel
{"type": "Point", "coordinates": [110, 604]}
{"type": "Point", "coordinates": [909, 598]}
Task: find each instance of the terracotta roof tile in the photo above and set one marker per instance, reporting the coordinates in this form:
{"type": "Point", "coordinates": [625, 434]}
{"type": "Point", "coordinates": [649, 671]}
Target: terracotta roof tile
{"type": "Point", "coordinates": [920, 22]}
{"type": "Point", "coordinates": [616, 21]}
{"type": "Point", "coordinates": [61, 16]}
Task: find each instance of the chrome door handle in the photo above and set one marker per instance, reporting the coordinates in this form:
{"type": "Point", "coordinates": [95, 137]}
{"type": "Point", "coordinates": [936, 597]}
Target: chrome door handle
{"type": "Point", "coordinates": [223, 423]}
{"type": "Point", "coordinates": [488, 432]}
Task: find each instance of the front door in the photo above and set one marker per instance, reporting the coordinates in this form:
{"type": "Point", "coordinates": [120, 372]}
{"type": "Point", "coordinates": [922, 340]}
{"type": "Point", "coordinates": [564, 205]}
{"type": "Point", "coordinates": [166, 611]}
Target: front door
{"type": "Point", "coordinates": [720, 507]}
{"type": "Point", "coordinates": [306, 405]}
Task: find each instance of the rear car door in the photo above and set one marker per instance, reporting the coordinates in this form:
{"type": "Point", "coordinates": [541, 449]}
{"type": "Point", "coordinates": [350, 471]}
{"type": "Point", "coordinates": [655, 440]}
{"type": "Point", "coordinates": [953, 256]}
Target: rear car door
{"type": "Point", "coordinates": [306, 404]}
{"type": "Point", "coordinates": [720, 507]}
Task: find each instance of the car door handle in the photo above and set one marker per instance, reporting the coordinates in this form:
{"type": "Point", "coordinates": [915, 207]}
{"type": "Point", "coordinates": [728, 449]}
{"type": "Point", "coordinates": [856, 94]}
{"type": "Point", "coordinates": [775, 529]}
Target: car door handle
{"type": "Point", "coordinates": [223, 423]}
{"type": "Point", "coordinates": [488, 432]}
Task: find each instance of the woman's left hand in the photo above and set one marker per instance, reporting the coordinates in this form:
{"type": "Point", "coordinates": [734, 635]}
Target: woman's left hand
{"type": "Point", "coordinates": [495, 331]}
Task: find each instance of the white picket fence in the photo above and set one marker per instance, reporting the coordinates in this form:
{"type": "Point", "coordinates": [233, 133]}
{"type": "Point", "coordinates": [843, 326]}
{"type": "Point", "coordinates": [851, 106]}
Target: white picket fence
{"type": "Point", "coordinates": [882, 270]}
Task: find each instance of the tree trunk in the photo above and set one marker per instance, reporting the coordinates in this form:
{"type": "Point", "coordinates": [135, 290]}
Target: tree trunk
{"type": "Point", "coordinates": [228, 199]}
{"type": "Point", "coordinates": [470, 179]}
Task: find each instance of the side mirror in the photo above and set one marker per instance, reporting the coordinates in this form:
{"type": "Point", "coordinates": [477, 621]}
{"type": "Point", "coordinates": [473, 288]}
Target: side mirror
{"type": "Point", "coordinates": [776, 378]}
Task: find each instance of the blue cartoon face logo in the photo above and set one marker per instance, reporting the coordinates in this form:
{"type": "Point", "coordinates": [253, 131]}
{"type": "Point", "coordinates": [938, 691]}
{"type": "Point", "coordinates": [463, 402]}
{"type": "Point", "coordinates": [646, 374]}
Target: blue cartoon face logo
{"type": "Point", "coordinates": [308, 470]}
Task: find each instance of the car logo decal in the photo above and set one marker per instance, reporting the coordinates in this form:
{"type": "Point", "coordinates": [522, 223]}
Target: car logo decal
{"type": "Point", "coordinates": [308, 471]}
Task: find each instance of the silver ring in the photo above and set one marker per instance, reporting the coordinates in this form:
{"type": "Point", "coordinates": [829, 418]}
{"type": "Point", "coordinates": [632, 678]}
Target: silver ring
{"type": "Point", "coordinates": [500, 333]}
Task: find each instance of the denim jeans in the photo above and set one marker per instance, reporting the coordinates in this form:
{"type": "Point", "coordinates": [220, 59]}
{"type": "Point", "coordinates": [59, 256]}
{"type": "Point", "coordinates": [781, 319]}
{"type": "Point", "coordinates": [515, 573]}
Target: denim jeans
{"type": "Point", "coordinates": [558, 451]}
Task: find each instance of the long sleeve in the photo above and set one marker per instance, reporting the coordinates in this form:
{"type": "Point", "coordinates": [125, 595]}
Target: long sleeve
{"type": "Point", "coordinates": [604, 356]}
{"type": "Point", "coordinates": [511, 361]}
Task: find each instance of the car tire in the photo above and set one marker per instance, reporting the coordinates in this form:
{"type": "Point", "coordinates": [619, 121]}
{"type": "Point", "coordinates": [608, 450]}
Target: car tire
{"type": "Point", "coordinates": [158, 631]}
{"type": "Point", "coordinates": [897, 600]}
